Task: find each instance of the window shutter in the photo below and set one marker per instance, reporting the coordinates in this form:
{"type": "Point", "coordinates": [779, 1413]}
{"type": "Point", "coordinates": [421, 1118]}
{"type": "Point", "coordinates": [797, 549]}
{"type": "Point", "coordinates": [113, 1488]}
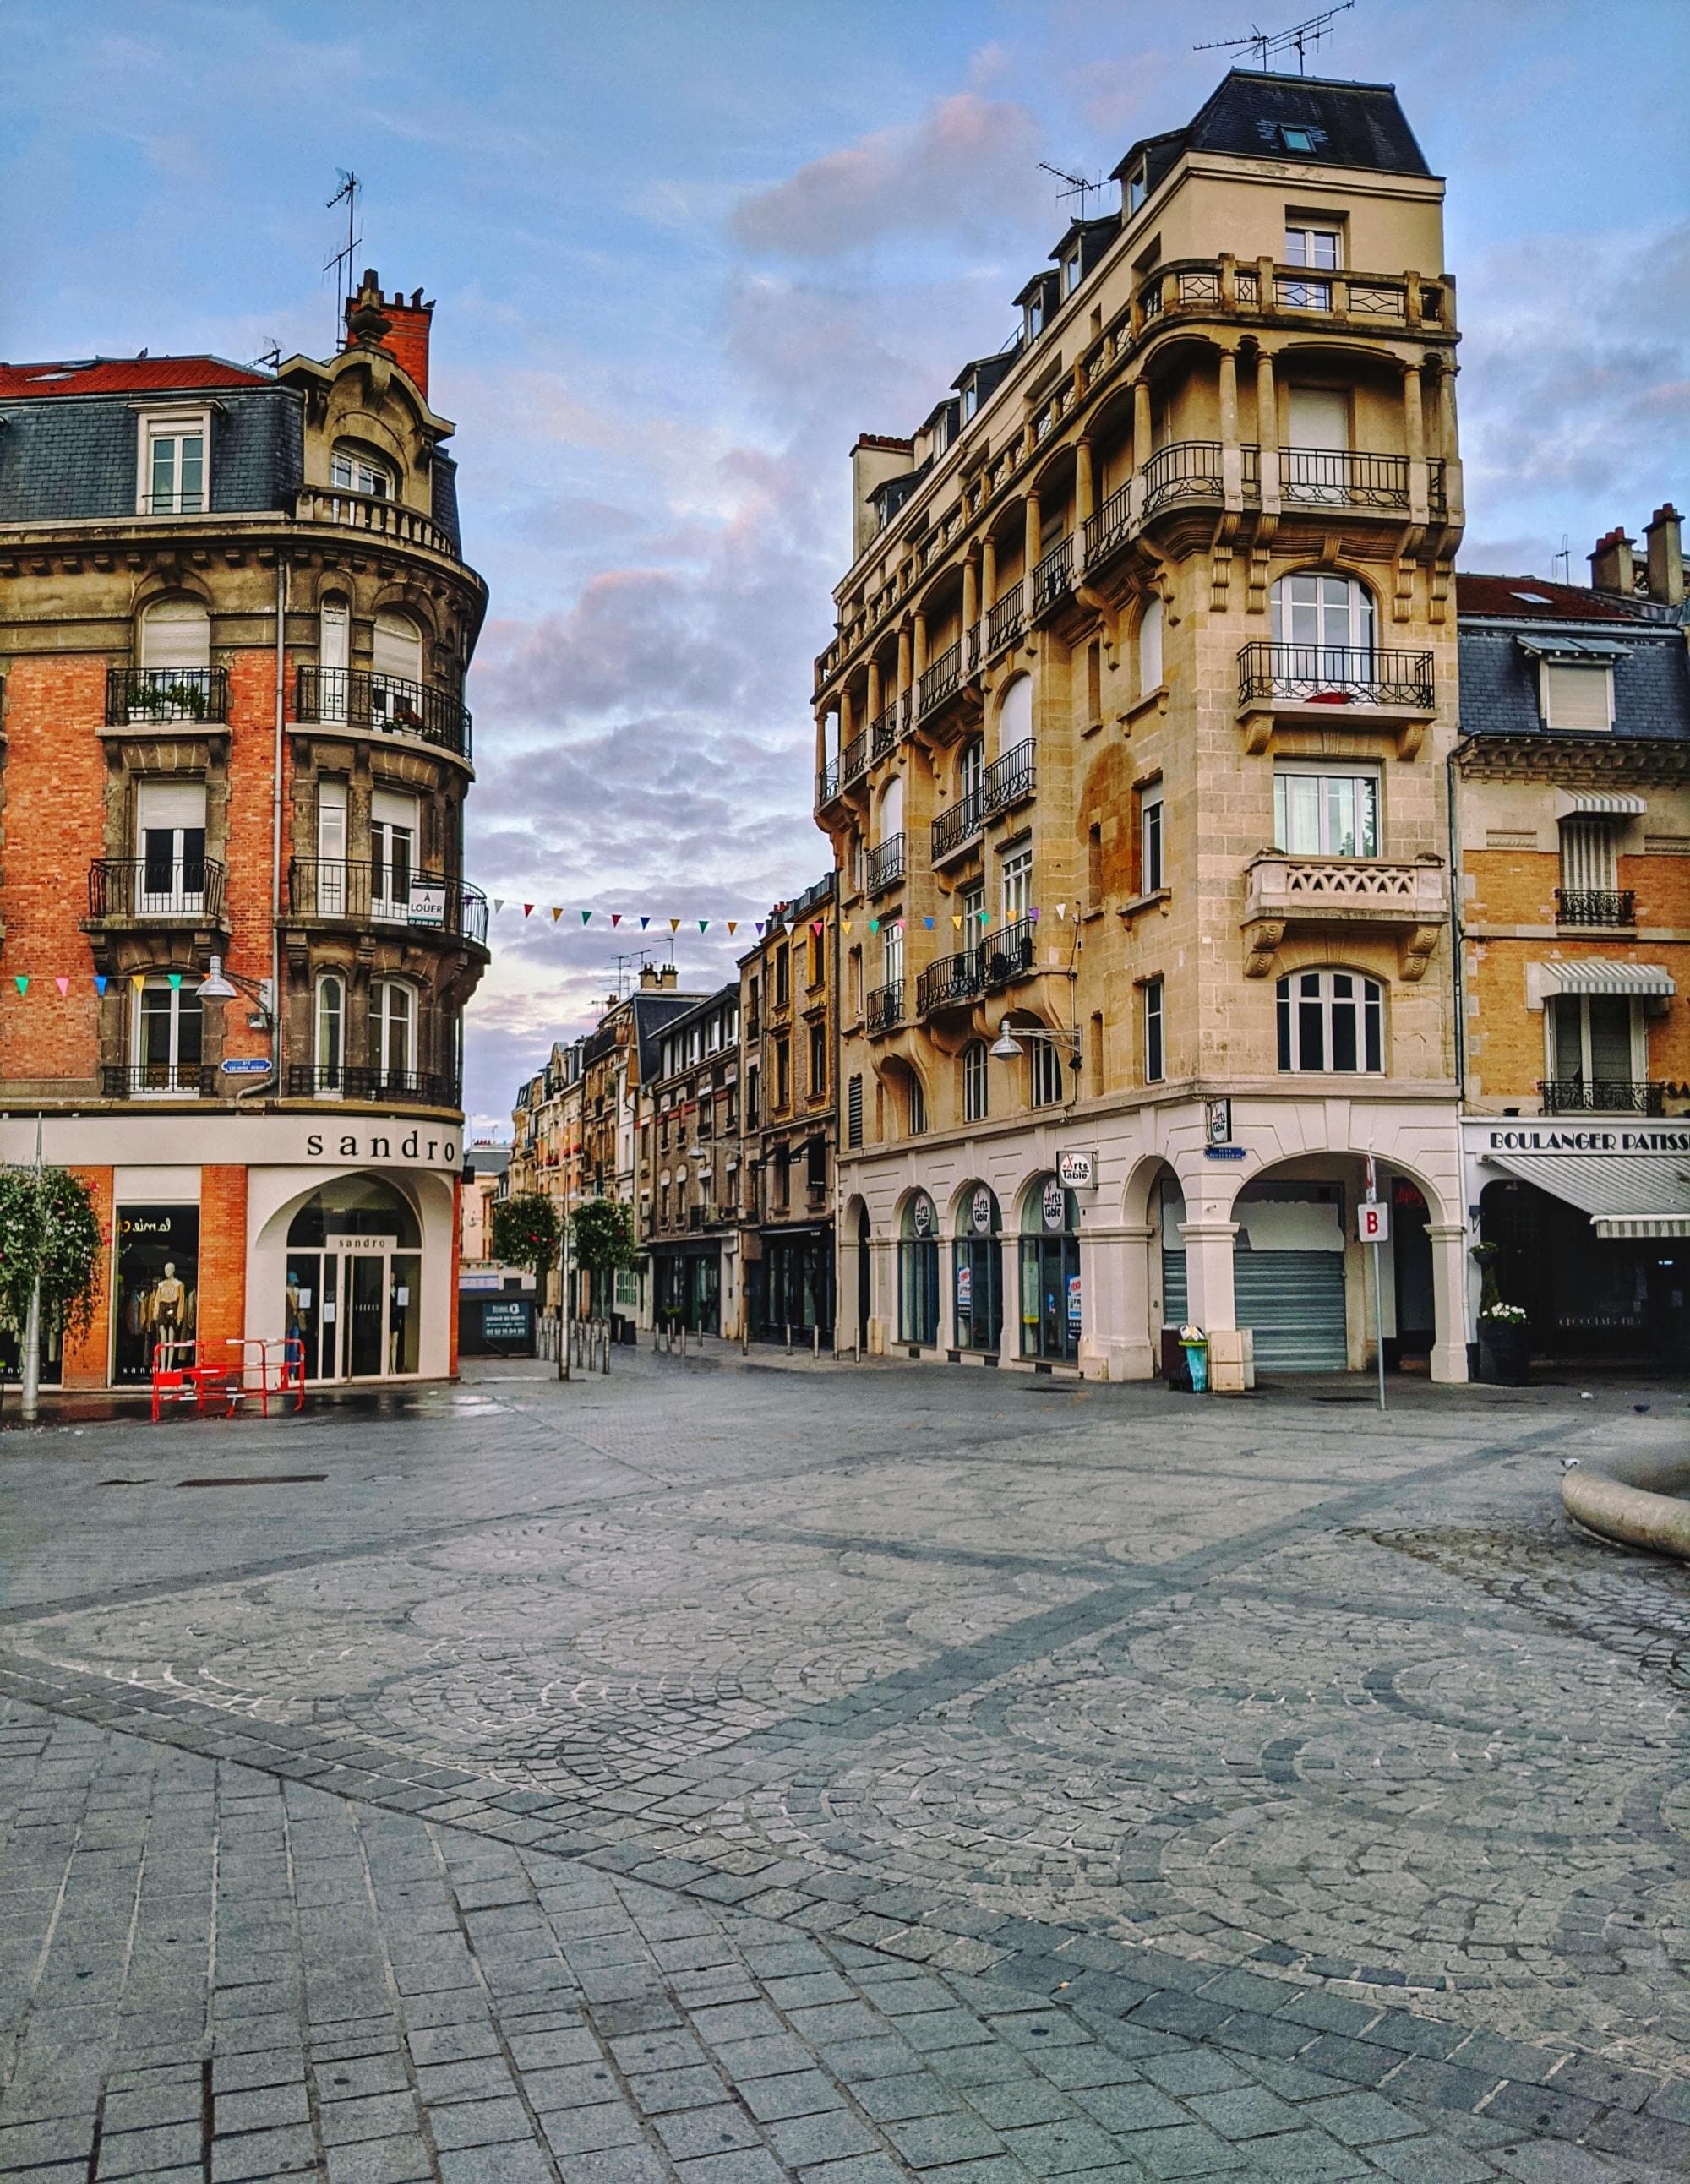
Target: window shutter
{"type": "Point", "coordinates": [398, 648]}
{"type": "Point", "coordinates": [175, 633]}
{"type": "Point", "coordinates": [1320, 417]}
{"type": "Point", "coordinates": [1588, 861]}
{"type": "Point", "coordinates": [1576, 696]}
{"type": "Point", "coordinates": [854, 1112]}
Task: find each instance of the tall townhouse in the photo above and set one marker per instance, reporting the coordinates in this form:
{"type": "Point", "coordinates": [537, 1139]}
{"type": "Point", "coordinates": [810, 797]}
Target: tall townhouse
{"type": "Point", "coordinates": [689, 1166]}
{"type": "Point", "coordinates": [1571, 789]}
{"type": "Point", "coordinates": [235, 620]}
{"type": "Point", "coordinates": [789, 1019]}
{"type": "Point", "coordinates": [1131, 748]}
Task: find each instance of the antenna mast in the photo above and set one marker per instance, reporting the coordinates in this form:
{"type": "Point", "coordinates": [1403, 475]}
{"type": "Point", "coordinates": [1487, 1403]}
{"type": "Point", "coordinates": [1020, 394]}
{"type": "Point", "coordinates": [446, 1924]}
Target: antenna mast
{"type": "Point", "coordinates": [341, 263]}
{"type": "Point", "coordinates": [1078, 187]}
{"type": "Point", "coordinates": [1265, 45]}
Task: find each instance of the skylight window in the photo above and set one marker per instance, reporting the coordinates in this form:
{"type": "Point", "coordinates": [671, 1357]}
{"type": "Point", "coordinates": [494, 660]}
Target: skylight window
{"type": "Point", "coordinates": [1534, 598]}
{"type": "Point", "coordinates": [1297, 140]}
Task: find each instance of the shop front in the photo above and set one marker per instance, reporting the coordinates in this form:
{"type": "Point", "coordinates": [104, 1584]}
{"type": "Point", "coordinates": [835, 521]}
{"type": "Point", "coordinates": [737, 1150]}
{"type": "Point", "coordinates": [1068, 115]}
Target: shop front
{"type": "Point", "coordinates": [1591, 1226]}
{"type": "Point", "coordinates": [1051, 1301]}
{"type": "Point", "coordinates": [243, 1228]}
{"type": "Point", "coordinates": [794, 1288]}
{"type": "Point", "coordinates": [686, 1285]}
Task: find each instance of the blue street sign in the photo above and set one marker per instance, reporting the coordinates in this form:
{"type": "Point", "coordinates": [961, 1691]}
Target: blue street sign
{"type": "Point", "coordinates": [247, 1065]}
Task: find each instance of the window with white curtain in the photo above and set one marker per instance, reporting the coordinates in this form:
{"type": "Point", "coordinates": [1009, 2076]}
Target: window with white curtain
{"type": "Point", "coordinates": [1327, 812]}
{"type": "Point", "coordinates": [397, 659]}
{"type": "Point", "coordinates": [175, 633]}
{"type": "Point", "coordinates": [1150, 646]}
{"type": "Point", "coordinates": [393, 826]}
{"type": "Point", "coordinates": [351, 470]}
{"type": "Point", "coordinates": [393, 1030]}
{"type": "Point", "coordinates": [173, 469]}
{"type": "Point", "coordinates": [1018, 885]}
{"type": "Point", "coordinates": [331, 1033]}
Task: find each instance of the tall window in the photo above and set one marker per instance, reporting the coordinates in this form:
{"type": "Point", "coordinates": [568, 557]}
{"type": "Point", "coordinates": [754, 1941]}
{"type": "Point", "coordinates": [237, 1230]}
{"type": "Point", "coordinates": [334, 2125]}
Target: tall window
{"type": "Point", "coordinates": [166, 1044]}
{"type": "Point", "coordinates": [334, 656]}
{"type": "Point", "coordinates": [918, 1271]}
{"type": "Point", "coordinates": [1155, 1031]}
{"type": "Point", "coordinates": [1577, 693]}
{"type": "Point", "coordinates": [1045, 1067]}
{"type": "Point", "coordinates": [918, 1109]}
{"type": "Point", "coordinates": [978, 1271]}
{"type": "Point", "coordinates": [970, 765]}
{"type": "Point", "coordinates": [393, 1031]}
{"type": "Point", "coordinates": [818, 1060]}
{"type": "Point", "coordinates": [1315, 246]}
{"type": "Point", "coordinates": [173, 466]}
{"type": "Point", "coordinates": [783, 978]}
{"type": "Point", "coordinates": [754, 1111]}
{"type": "Point", "coordinates": [783, 1079]}
{"type": "Point", "coordinates": [1330, 1020]}
{"type": "Point", "coordinates": [1050, 1271]}
{"type": "Point", "coordinates": [1325, 612]}
{"type": "Point", "coordinates": [1018, 885]}
{"type": "Point", "coordinates": [1326, 814]}
{"type": "Point", "coordinates": [1590, 862]}
{"type": "Point", "coordinates": [397, 659]}
{"type": "Point", "coordinates": [331, 871]}
{"type": "Point", "coordinates": [1149, 839]}
{"type": "Point", "coordinates": [976, 1087]}
{"type": "Point", "coordinates": [331, 1033]}
{"type": "Point", "coordinates": [1593, 1044]}
{"type": "Point", "coordinates": [971, 902]}
{"type": "Point", "coordinates": [170, 831]}
{"type": "Point", "coordinates": [1150, 646]}
{"type": "Point", "coordinates": [854, 1112]}
{"type": "Point", "coordinates": [393, 852]}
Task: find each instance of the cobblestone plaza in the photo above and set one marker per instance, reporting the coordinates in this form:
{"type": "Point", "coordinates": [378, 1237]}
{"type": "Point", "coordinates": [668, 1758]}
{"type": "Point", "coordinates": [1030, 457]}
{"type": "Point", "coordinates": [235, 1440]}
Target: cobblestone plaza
{"type": "Point", "coordinates": [719, 1773]}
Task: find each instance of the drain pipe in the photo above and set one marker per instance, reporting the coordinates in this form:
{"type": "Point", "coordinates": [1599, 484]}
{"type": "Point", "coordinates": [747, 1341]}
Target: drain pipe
{"type": "Point", "coordinates": [1455, 966]}
{"type": "Point", "coordinates": [275, 827]}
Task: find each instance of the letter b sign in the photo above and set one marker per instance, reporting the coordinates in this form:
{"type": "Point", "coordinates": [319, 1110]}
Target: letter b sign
{"type": "Point", "coordinates": [1373, 1221]}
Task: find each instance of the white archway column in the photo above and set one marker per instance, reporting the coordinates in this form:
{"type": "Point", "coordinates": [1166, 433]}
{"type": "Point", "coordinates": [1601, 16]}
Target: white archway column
{"type": "Point", "coordinates": [1116, 1341]}
{"type": "Point", "coordinates": [1449, 1299]}
{"type": "Point", "coordinates": [1209, 1297]}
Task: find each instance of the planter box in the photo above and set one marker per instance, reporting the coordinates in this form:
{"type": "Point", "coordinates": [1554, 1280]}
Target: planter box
{"type": "Point", "coordinates": [1505, 1354]}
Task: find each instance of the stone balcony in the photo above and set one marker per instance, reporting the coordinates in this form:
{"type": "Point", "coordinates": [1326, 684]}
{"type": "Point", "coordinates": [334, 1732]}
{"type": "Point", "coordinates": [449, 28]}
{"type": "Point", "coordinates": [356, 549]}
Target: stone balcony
{"type": "Point", "coordinates": [1409, 901]}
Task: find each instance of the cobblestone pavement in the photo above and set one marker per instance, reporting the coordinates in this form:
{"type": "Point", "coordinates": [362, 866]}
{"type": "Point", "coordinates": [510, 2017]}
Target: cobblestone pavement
{"type": "Point", "coordinates": [718, 1775]}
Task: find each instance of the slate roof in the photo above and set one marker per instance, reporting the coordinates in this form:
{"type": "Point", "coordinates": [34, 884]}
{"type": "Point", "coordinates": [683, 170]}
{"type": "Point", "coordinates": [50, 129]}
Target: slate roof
{"type": "Point", "coordinates": [1500, 678]}
{"type": "Point", "coordinates": [1355, 124]}
{"type": "Point", "coordinates": [130, 375]}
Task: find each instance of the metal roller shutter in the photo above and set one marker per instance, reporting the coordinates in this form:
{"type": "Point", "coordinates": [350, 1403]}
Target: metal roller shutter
{"type": "Point", "coordinates": [1173, 1288]}
{"type": "Point", "coordinates": [1295, 1302]}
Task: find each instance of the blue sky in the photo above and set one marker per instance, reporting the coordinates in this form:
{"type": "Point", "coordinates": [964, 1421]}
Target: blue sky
{"type": "Point", "coordinates": [683, 254]}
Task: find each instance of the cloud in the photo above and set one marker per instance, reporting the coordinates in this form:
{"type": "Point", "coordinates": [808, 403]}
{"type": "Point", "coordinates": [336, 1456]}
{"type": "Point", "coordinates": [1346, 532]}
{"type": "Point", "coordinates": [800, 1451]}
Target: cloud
{"type": "Point", "coordinates": [965, 171]}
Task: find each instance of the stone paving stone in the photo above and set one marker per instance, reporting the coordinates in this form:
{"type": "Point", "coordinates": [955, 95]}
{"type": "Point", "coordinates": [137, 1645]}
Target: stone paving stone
{"type": "Point", "coordinates": [400, 2159]}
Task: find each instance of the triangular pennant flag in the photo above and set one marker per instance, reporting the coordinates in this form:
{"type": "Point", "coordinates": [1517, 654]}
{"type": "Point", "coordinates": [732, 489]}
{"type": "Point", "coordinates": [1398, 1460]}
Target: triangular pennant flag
{"type": "Point", "coordinates": [64, 986]}
{"type": "Point", "coordinates": [674, 925]}
{"type": "Point", "coordinates": [732, 927]}
{"type": "Point", "coordinates": [956, 920]}
{"type": "Point", "coordinates": [846, 923]}
{"type": "Point", "coordinates": [175, 982]}
{"type": "Point", "coordinates": [901, 925]}
{"type": "Point", "coordinates": [928, 923]}
{"type": "Point", "coordinates": [874, 925]}
{"type": "Point", "coordinates": [703, 925]}
{"type": "Point", "coordinates": [615, 919]}
{"type": "Point", "coordinates": [1062, 910]}
{"type": "Point", "coordinates": [816, 927]}
{"type": "Point", "coordinates": [528, 910]}
{"type": "Point", "coordinates": [137, 979]}
{"type": "Point", "coordinates": [1032, 916]}
{"type": "Point", "coordinates": [985, 917]}
{"type": "Point", "coordinates": [643, 923]}
{"type": "Point", "coordinates": [498, 904]}
{"type": "Point", "coordinates": [21, 982]}
{"type": "Point", "coordinates": [99, 982]}
{"type": "Point", "coordinates": [759, 926]}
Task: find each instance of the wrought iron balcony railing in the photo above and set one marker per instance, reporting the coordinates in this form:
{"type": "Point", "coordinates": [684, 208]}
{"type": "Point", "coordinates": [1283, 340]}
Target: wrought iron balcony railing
{"type": "Point", "coordinates": [828, 782]}
{"type": "Point", "coordinates": [166, 694]}
{"type": "Point", "coordinates": [949, 982]}
{"type": "Point", "coordinates": [854, 759]}
{"type": "Point", "coordinates": [1008, 953]}
{"type": "Point", "coordinates": [956, 826]}
{"type": "Point", "coordinates": [1343, 477]}
{"type": "Point", "coordinates": [1186, 470]}
{"type": "Point", "coordinates": [1053, 578]}
{"type": "Point", "coordinates": [884, 1009]}
{"type": "Point", "coordinates": [146, 890]}
{"type": "Point", "coordinates": [1595, 906]}
{"type": "Point", "coordinates": [1333, 675]}
{"type": "Point", "coordinates": [1602, 1096]}
{"type": "Point", "coordinates": [1008, 780]}
{"type": "Point", "coordinates": [351, 698]}
{"type": "Point", "coordinates": [348, 891]}
{"type": "Point", "coordinates": [882, 867]}
{"type": "Point", "coordinates": [1006, 621]}
{"type": "Point", "coordinates": [1105, 531]}
{"type": "Point", "coordinates": [139, 1080]}
{"type": "Point", "coordinates": [941, 676]}
{"type": "Point", "coordinates": [421, 1088]}
{"type": "Point", "coordinates": [883, 734]}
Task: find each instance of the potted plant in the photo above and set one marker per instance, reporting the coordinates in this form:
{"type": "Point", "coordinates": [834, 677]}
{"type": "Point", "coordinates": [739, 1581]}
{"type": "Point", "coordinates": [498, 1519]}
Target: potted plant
{"type": "Point", "coordinates": [1504, 1344]}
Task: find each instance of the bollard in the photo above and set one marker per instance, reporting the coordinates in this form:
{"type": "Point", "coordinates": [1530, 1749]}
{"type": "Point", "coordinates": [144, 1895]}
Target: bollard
{"type": "Point", "coordinates": [815, 1339]}
{"type": "Point", "coordinates": [789, 1338]}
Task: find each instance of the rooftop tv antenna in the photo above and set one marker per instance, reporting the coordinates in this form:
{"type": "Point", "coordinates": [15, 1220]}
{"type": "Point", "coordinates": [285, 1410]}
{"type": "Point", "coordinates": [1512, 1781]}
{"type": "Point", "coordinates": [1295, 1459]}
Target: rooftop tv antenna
{"type": "Point", "coordinates": [268, 357]}
{"type": "Point", "coordinates": [638, 959]}
{"type": "Point", "coordinates": [1078, 187]}
{"type": "Point", "coordinates": [1563, 561]}
{"type": "Point", "coordinates": [1265, 46]}
{"type": "Point", "coordinates": [341, 263]}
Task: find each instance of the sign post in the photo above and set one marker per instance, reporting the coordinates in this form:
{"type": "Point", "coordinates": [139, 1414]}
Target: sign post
{"type": "Point", "coordinates": [1373, 1226]}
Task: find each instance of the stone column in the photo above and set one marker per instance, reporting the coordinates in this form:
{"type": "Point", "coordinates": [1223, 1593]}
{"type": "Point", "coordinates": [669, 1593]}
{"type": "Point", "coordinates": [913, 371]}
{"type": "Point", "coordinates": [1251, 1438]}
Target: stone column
{"type": "Point", "coordinates": [905, 654]}
{"type": "Point", "coordinates": [1085, 492]}
{"type": "Point", "coordinates": [970, 605]}
{"type": "Point", "coordinates": [1268, 430]}
{"type": "Point", "coordinates": [1231, 455]}
{"type": "Point", "coordinates": [1029, 549]}
{"type": "Point", "coordinates": [988, 576]}
{"type": "Point", "coordinates": [918, 662]}
{"type": "Point", "coordinates": [876, 697]}
{"type": "Point", "coordinates": [1142, 428]}
{"type": "Point", "coordinates": [1415, 442]}
{"type": "Point", "coordinates": [1210, 1296]}
{"type": "Point", "coordinates": [1449, 1299]}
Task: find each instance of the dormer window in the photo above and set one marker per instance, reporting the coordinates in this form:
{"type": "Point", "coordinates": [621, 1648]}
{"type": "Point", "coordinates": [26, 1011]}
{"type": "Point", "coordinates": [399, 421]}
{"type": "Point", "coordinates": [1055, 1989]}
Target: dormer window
{"type": "Point", "coordinates": [1035, 316]}
{"type": "Point", "coordinates": [1071, 271]}
{"type": "Point", "coordinates": [1137, 188]}
{"type": "Point", "coordinates": [351, 470]}
{"type": "Point", "coordinates": [173, 469]}
{"type": "Point", "coordinates": [971, 400]}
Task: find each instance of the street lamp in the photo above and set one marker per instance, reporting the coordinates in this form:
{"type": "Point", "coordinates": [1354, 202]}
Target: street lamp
{"type": "Point", "coordinates": [221, 985]}
{"type": "Point", "coordinates": [1007, 1046]}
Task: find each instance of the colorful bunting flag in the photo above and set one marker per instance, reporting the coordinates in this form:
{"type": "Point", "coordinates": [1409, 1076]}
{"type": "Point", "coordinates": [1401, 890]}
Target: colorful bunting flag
{"type": "Point", "coordinates": [732, 927]}
{"type": "Point", "coordinates": [21, 982]}
{"type": "Point", "coordinates": [175, 982]}
{"type": "Point", "coordinates": [100, 983]}
{"type": "Point", "coordinates": [137, 978]}
{"type": "Point", "coordinates": [674, 925]}
{"type": "Point", "coordinates": [928, 923]}
{"type": "Point", "coordinates": [874, 925]}
{"type": "Point", "coordinates": [643, 923]}
{"type": "Point", "coordinates": [703, 925]}
{"type": "Point", "coordinates": [956, 920]}
{"type": "Point", "coordinates": [616, 918]}
{"type": "Point", "coordinates": [528, 910]}
{"type": "Point", "coordinates": [498, 904]}
{"type": "Point", "coordinates": [816, 927]}
{"type": "Point", "coordinates": [64, 986]}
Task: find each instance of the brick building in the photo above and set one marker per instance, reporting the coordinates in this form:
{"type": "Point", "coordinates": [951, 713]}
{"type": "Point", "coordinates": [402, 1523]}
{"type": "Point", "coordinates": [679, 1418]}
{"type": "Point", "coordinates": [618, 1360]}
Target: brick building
{"type": "Point", "coordinates": [235, 620]}
{"type": "Point", "coordinates": [690, 1169]}
{"type": "Point", "coordinates": [1571, 803]}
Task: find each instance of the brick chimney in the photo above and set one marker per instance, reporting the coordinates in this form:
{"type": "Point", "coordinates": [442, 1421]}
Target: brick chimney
{"type": "Point", "coordinates": [658, 977]}
{"type": "Point", "coordinates": [393, 323]}
{"type": "Point", "coordinates": [1612, 565]}
{"type": "Point", "coordinates": [1664, 539]}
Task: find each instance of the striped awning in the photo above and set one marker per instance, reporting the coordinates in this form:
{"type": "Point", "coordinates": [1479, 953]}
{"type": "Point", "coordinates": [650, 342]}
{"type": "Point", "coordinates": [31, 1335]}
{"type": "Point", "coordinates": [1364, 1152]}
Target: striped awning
{"type": "Point", "coordinates": [1600, 974]}
{"type": "Point", "coordinates": [1596, 803]}
{"type": "Point", "coordinates": [1626, 1194]}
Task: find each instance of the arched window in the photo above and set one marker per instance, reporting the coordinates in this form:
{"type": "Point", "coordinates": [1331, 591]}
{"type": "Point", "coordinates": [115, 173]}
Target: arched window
{"type": "Point", "coordinates": [977, 1267]}
{"type": "Point", "coordinates": [892, 808]}
{"type": "Point", "coordinates": [1015, 716]}
{"type": "Point", "coordinates": [1331, 1020]}
{"type": "Point", "coordinates": [1150, 645]}
{"type": "Point", "coordinates": [393, 1033]}
{"type": "Point", "coordinates": [175, 635]}
{"type": "Point", "coordinates": [166, 1049]}
{"type": "Point", "coordinates": [976, 1093]}
{"type": "Point", "coordinates": [1050, 1271]}
{"type": "Point", "coordinates": [918, 1271]}
{"type": "Point", "coordinates": [1324, 624]}
{"type": "Point", "coordinates": [334, 656]}
{"type": "Point", "coordinates": [353, 470]}
{"type": "Point", "coordinates": [331, 1033]}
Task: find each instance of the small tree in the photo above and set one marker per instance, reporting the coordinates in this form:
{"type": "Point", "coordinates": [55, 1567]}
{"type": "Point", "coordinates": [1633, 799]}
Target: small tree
{"type": "Point", "coordinates": [602, 1232]}
{"type": "Point", "coordinates": [50, 1249]}
{"type": "Point", "coordinates": [525, 1234]}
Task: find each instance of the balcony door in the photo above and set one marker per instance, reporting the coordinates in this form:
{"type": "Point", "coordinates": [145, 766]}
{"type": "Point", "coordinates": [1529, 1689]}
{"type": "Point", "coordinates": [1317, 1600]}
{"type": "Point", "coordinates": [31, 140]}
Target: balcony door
{"type": "Point", "coordinates": [1315, 466]}
{"type": "Point", "coordinates": [334, 656]}
{"type": "Point", "coordinates": [1594, 1048]}
{"type": "Point", "coordinates": [330, 899]}
{"type": "Point", "coordinates": [397, 683]}
{"type": "Point", "coordinates": [393, 846]}
{"type": "Point", "coordinates": [170, 848]}
{"type": "Point", "coordinates": [167, 1048]}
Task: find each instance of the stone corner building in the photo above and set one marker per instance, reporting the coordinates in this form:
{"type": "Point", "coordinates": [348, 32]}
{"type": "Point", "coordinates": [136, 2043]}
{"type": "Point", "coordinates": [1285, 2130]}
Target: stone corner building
{"type": "Point", "coordinates": [235, 620]}
{"type": "Point", "coordinates": [1133, 734]}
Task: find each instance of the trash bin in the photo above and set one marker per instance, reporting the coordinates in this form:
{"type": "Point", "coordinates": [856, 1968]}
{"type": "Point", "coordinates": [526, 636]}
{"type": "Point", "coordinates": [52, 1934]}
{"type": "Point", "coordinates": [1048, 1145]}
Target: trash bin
{"type": "Point", "coordinates": [1196, 1345]}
